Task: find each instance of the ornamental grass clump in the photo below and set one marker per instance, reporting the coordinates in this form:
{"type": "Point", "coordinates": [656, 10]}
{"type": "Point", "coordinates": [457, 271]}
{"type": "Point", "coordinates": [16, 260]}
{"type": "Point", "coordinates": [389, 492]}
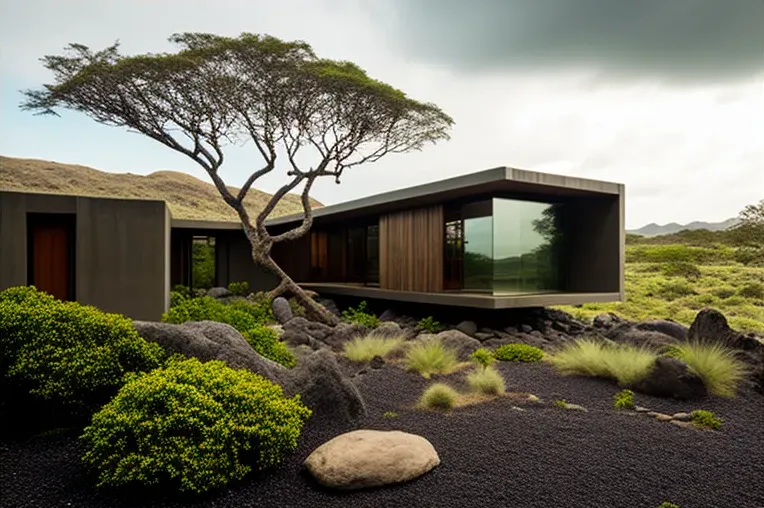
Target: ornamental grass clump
{"type": "Point", "coordinates": [486, 381]}
{"type": "Point", "coordinates": [439, 396]}
{"type": "Point", "coordinates": [716, 365]}
{"type": "Point", "coordinates": [192, 427]}
{"type": "Point", "coordinates": [589, 357]}
{"type": "Point", "coordinates": [363, 349]}
{"type": "Point", "coordinates": [431, 357]}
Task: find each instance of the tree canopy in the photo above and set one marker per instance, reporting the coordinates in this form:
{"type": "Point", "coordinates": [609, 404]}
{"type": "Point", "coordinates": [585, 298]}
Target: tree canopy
{"type": "Point", "coordinates": [314, 116]}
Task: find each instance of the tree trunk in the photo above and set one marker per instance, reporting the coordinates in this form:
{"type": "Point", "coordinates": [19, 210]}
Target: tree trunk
{"type": "Point", "coordinates": [313, 309]}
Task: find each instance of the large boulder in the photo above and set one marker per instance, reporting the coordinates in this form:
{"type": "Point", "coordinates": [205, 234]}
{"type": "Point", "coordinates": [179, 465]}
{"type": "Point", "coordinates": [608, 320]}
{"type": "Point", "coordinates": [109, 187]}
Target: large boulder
{"type": "Point", "coordinates": [459, 341]}
{"type": "Point", "coordinates": [606, 320]}
{"type": "Point", "coordinates": [316, 377]}
{"type": "Point", "coordinates": [388, 330]}
{"type": "Point", "coordinates": [664, 326]}
{"type": "Point", "coordinates": [625, 333]}
{"type": "Point", "coordinates": [209, 340]}
{"type": "Point", "coordinates": [711, 325]}
{"type": "Point", "coordinates": [371, 458]}
{"type": "Point", "coordinates": [671, 377]}
{"type": "Point", "coordinates": [298, 329]}
{"type": "Point", "coordinates": [324, 388]}
{"type": "Point", "coordinates": [282, 311]}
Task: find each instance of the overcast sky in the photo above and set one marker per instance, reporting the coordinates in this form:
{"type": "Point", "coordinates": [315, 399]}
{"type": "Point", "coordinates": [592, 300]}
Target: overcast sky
{"type": "Point", "coordinates": [666, 97]}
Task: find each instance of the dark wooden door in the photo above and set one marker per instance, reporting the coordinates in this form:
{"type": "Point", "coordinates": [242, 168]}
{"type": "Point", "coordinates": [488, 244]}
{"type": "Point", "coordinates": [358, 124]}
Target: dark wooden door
{"type": "Point", "coordinates": [51, 255]}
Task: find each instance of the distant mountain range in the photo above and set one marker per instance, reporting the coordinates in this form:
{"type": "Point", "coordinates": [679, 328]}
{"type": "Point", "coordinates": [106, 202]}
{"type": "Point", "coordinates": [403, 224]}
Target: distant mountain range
{"type": "Point", "coordinates": [654, 229]}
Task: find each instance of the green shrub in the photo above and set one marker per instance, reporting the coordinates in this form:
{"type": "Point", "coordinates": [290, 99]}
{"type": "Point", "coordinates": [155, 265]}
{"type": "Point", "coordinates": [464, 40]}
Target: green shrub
{"type": "Point", "coordinates": [239, 288]}
{"type": "Point", "coordinates": [588, 357]}
{"type": "Point", "coordinates": [518, 353]}
{"type": "Point", "coordinates": [66, 353]}
{"type": "Point", "coordinates": [753, 290]}
{"type": "Point", "coordinates": [439, 396]}
{"type": "Point", "coordinates": [297, 309]}
{"type": "Point", "coordinates": [266, 342]}
{"type": "Point", "coordinates": [706, 419]}
{"type": "Point", "coordinates": [681, 269]}
{"type": "Point", "coordinates": [487, 381]}
{"type": "Point", "coordinates": [561, 403]}
{"type": "Point", "coordinates": [716, 365]}
{"type": "Point", "coordinates": [192, 426]}
{"type": "Point", "coordinates": [673, 289]}
{"type": "Point", "coordinates": [203, 265]}
{"type": "Point", "coordinates": [431, 357]}
{"type": "Point", "coordinates": [483, 357]}
{"type": "Point", "coordinates": [241, 314]}
{"type": "Point", "coordinates": [363, 349]}
{"type": "Point", "coordinates": [360, 316]}
{"type": "Point", "coordinates": [429, 325]}
{"type": "Point", "coordinates": [723, 292]}
{"type": "Point", "coordinates": [184, 291]}
{"type": "Point", "coordinates": [624, 400]}
{"type": "Point", "coordinates": [666, 504]}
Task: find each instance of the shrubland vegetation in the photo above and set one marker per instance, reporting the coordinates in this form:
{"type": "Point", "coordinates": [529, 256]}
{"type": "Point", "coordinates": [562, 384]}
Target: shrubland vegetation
{"type": "Point", "coordinates": [431, 357]}
{"type": "Point", "coordinates": [716, 365]}
{"type": "Point", "coordinates": [679, 274]}
{"type": "Point", "coordinates": [439, 396]}
{"type": "Point", "coordinates": [486, 381]}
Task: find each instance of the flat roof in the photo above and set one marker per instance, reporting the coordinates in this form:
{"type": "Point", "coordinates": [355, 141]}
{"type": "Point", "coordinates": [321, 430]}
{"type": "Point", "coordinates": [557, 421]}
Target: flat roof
{"type": "Point", "coordinates": [463, 299]}
{"type": "Point", "coordinates": [502, 179]}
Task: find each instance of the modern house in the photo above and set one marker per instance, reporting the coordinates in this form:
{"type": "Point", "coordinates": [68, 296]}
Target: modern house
{"type": "Point", "coordinates": [495, 239]}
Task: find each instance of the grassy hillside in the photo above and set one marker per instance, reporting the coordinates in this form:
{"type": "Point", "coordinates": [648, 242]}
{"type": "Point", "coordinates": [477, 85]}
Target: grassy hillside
{"type": "Point", "coordinates": [676, 280]}
{"type": "Point", "coordinates": [187, 196]}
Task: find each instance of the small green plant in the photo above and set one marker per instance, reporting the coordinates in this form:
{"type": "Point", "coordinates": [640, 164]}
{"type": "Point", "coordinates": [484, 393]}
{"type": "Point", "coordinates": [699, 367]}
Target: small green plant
{"type": "Point", "coordinates": [706, 419]}
{"type": "Point", "coordinates": [716, 365]}
{"type": "Point", "coordinates": [487, 381]}
{"type": "Point", "coordinates": [673, 289]}
{"type": "Point", "coordinates": [241, 314]}
{"type": "Point", "coordinates": [624, 400]}
{"type": "Point", "coordinates": [682, 269]}
{"type": "Point", "coordinates": [666, 504]}
{"type": "Point", "coordinates": [518, 353]}
{"type": "Point", "coordinates": [193, 426]}
{"type": "Point", "coordinates": [390, 414]}
{"type": "Point", "coordinates": [363, 349]}
{"type": "Point", "coordinates": [429, 325]}
{"type": "Point", "coordinates": [266, 342]}
{"type": "Point", "coordinates": [439, 396]}
{"type": "Point", "coordinates": [360, 316]}
{"type": "Point", "coordinates": [239, 288]}
{"type": "Point", "coordinates": [297, 309]}
{"type": "Point", "coordinates": [431, 357]}
{"type": "Point", "coordinates": [753, 290]}
{"type": "Point", "coordinates": [483, 357]}
{"type": "Point", "coordinates": [561, 403]}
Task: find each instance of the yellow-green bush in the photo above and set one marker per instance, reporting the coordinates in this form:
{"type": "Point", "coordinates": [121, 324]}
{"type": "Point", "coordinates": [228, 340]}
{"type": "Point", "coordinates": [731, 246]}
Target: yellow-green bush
{"type": "Point", "coordinates": [66, 353]}
{"type": "Point", "coordinates": [266, 342]}
{"type": "Point", "coordinates": [192, 426]}
{"type": "Point", "coordinates": [518, 353]}
{"type": "Point", "coordinates": [718, 367]}
{"type": "Point", "coordinates": [588, 357]}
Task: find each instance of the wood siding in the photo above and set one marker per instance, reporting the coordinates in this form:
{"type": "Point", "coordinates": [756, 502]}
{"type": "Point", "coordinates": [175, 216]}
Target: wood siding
{"type": "Point", "coordinates": [411, 250]}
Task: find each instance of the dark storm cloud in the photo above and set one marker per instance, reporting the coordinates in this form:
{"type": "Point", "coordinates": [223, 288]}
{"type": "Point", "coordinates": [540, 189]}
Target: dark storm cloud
{"type": "Point", "coordinates": [675, 40]}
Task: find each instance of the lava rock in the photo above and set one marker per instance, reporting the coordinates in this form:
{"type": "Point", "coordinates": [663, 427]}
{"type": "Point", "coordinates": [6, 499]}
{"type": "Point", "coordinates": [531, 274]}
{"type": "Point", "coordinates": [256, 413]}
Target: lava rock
{"type": "Point", "coordinates": [710, 324]}
{"type": "Point", "coordinates": [664, 326]}
{"type": "Point", "coordinates": [219, 292]}
{"type": "Point", "coordinates": [282, 311]}
{"type": "Point", "coordinates": [342, 333]}
{"type": "Point", "coordinates": [467, 327]}
{"type": "Point", "coordinates": [388, 330]}
{"type": "Point", "coordinates": [459, 341]}
{"type": "Point", "coordinates": [671, 377]}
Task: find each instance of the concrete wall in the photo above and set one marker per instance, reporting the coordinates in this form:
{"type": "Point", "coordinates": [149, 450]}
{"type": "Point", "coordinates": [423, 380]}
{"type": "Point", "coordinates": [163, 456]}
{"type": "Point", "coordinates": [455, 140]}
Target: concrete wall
{"type": "Point", "coordinates": [121, 253]}
{"type": "Point", "coordinates": [596, 245]}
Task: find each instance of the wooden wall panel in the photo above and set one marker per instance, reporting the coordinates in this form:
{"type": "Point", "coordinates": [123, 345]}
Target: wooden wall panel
{"type": "Point", "coordinates": [411, 250]}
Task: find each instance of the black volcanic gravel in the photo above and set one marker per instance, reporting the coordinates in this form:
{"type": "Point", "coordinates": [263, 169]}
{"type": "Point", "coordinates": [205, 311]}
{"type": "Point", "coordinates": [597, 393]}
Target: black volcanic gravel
{"type": "Point", "coordinates": [492, 456]}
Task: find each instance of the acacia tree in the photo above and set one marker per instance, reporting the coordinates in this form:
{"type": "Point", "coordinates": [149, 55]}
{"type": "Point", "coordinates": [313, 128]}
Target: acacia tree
{"type": "Point", "coordinates": [309, 116]}
{"type": "Point", "coordinates": [750, 226]}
